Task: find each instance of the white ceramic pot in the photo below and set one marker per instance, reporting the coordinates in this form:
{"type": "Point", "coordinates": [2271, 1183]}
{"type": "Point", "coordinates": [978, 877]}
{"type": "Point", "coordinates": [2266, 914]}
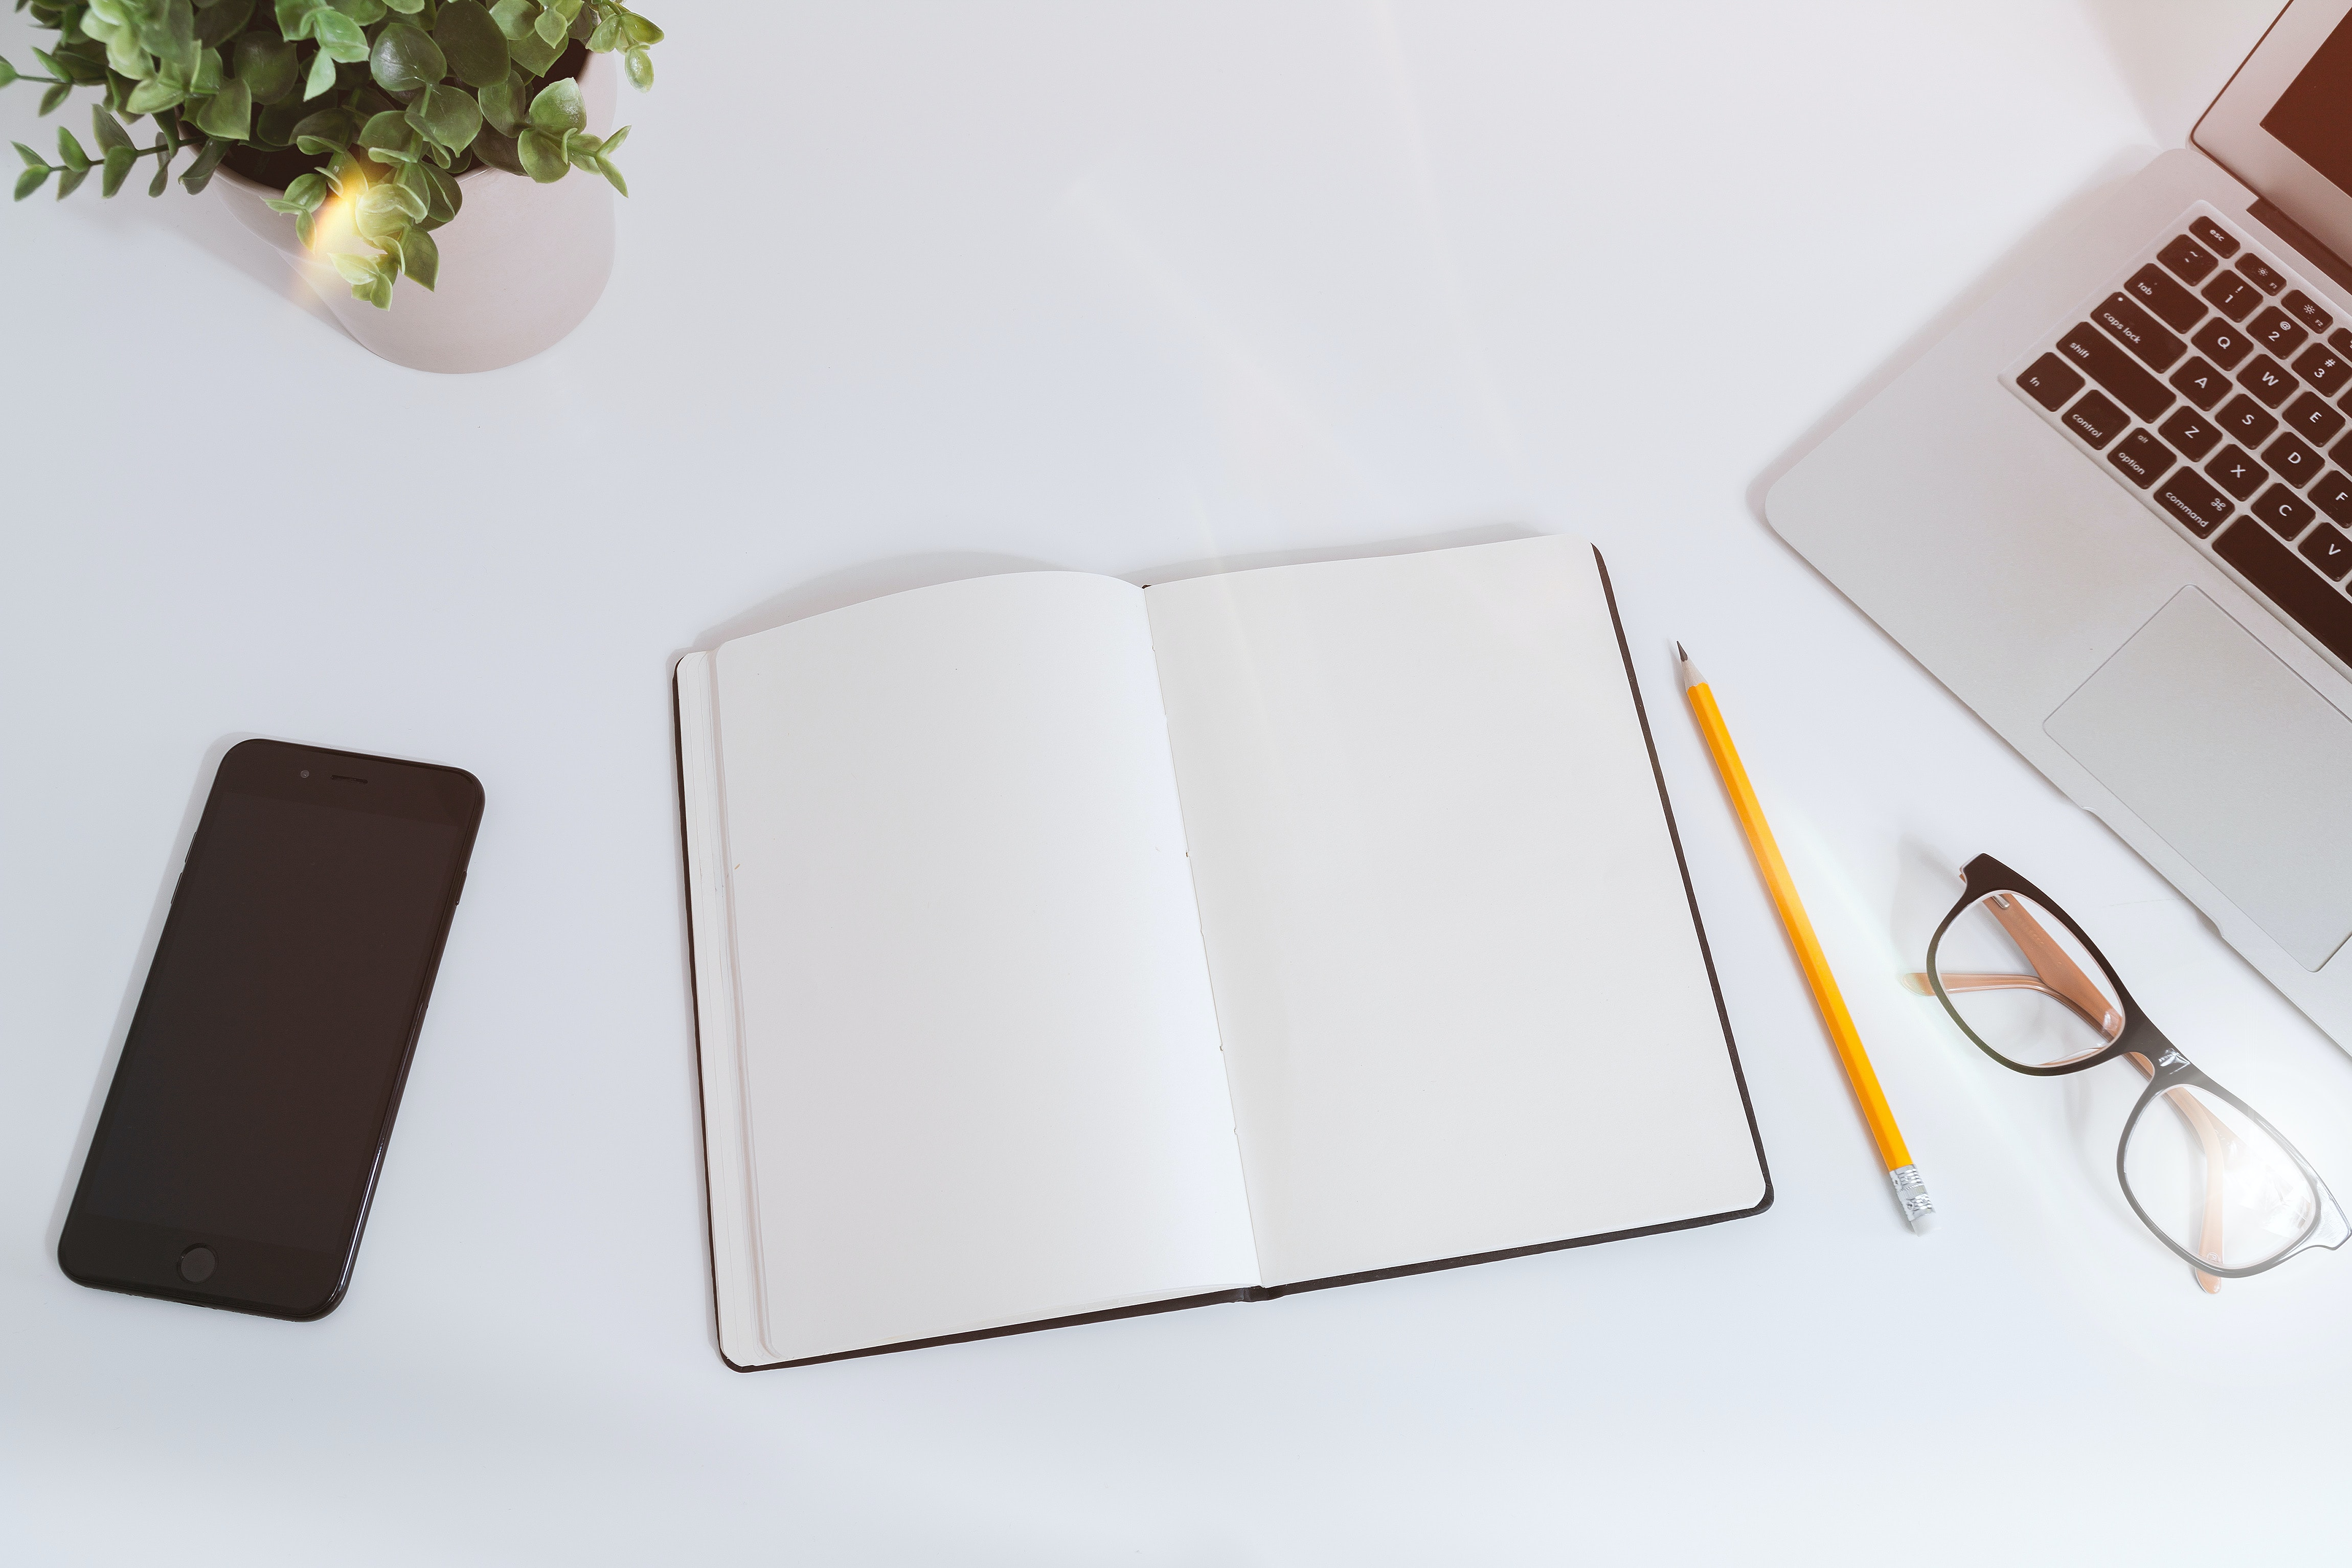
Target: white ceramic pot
{"type": "Point", "coordinates": [521, 264]}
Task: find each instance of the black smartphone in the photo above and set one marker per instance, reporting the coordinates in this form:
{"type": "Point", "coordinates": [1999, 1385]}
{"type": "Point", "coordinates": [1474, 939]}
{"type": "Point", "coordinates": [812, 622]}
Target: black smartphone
{"type": "Point", "coordinates": [239, 1147]}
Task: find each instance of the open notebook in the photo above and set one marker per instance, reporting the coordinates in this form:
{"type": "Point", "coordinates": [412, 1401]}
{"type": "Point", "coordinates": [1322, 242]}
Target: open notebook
{"type": "Point", "coordinates": [1064, 948]}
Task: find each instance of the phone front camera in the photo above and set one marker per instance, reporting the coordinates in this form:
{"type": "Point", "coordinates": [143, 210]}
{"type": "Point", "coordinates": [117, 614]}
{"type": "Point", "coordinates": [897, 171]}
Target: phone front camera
{"type": "Point", "coordinates": [306, 773]}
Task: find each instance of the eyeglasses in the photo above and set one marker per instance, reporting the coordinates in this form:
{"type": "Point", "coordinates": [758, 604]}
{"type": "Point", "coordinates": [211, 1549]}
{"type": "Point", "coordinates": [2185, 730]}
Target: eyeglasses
{"type": "Point", "coordinates": [2213, 1180]}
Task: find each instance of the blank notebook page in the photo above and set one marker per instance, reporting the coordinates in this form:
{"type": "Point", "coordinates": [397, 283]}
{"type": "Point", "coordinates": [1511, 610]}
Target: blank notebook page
{"type": "Point", "coordinates": [1462, 996]}
{"type": "Point", "coordinates": [982, 1081]}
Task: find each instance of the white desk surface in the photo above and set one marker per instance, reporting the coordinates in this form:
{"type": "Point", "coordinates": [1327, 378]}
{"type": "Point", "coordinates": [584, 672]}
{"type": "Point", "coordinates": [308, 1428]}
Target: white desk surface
{"type": "Point", "coordinates": [905, 295]}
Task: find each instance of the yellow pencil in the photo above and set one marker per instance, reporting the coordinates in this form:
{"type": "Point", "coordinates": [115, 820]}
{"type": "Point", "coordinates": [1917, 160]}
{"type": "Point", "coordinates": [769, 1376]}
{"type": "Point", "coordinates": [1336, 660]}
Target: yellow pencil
{"type": "Point", "coordinates": [1910, 1188]}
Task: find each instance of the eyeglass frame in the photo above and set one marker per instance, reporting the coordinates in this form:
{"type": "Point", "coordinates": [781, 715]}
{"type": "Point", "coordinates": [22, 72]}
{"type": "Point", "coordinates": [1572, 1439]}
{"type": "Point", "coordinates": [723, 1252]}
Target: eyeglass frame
{"type": "Point", "coordinates": [2166, 1067]}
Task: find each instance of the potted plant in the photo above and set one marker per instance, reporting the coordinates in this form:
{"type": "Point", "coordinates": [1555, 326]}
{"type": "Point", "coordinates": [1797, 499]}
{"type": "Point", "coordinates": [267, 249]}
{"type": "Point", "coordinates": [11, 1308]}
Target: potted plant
{"type": "Point", "coordinates": [352, 133]}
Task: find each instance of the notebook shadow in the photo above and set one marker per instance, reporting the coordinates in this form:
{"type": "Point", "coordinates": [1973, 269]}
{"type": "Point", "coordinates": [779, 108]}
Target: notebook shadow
{"type": "Point", "coordinates": [135, 981]}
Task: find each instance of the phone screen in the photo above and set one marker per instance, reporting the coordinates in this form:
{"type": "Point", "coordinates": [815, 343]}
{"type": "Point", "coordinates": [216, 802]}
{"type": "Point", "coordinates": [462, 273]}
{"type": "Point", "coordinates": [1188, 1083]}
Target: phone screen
{"type": "Point", "coordinates": [238, 1149]}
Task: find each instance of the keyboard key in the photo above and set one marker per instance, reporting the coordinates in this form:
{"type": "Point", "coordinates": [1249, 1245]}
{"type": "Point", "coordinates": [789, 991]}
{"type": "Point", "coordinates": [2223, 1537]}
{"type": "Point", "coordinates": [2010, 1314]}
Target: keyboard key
{"type": "Point", "coordinates": [2186, 256]}
{"type": "Point", "coordinates": [2305, 310]}
{"type": "Point", "coordinates": [2304, 596]}
{"type": "Point", "coordinates": [2097, 420]}
{"type": "Point", "coordinates": [2310, 417]}
{"type": "Point", "coordinates": [2324, 369]}
{"type": "Point", "coordinates": [2340, 340]}
{"type": "Point", "coordinates": [2199, 382]}
{"type": "Point", "coordinates": [2267, 379]}
{"type": "Point", "coordinates": [2233, 296]}
{"type": "Point", "coordinates": [2140, 332]}
{"type": "Point", "coordinates": [2213, 237]}
{"type": "Point", "coordinates": [2274, 330]}
{"type": "Point", "coordinates": [2141, 458]}
{"type": "Point", "coordinates": [2191, 432]}
{"type": "Point", "coordinates": [2264, 278]}
{"type": "Point", "coordinates": [2094, 354]}
{"type": "Point", "coordinates": [2284, 510]}
{"type": "Point", "coordinates": [2292, 461]}
{"type": "Point", "coordinates": [2222, 343]}
{"type": "Point", "coordinates": [2193, 501]}
{"type": "Point", "coordinates": [2173, 305]}
{"type": "Point", "coordinates": [2328, 550]}
{"type": "Point", "coordinates": [2332, 495]}
{"type": "Point", "coordinates": [2236, 473]}
{"type": "Point", "coordinates": [2245, 419]}
{"type": "Point", "coordinates": [2050, 382]}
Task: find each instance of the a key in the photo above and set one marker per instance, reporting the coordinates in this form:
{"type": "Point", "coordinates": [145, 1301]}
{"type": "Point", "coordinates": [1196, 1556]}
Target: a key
{"type": "Point", "coordinates": [2267, 379]}
{"type": "Point", "coordinates": [2186, 256]}
{"type": "Point", "coordinates": [2171, 304]}
{"type": "Point", "coordinates": [2328, 550]}
{"type": "Point", "coordinates": [2097, 420]}
{"type": "Point", "coordinates": [2222, 343]}
{"type": "Point", "coordinates": [2095, 354]}
{"type": "Point", "coordinates": [2292, 461]}
{"type": "Point", "coordinates": [2272, 568]}
{"type": "Point", "coordinates": [2310, 417]}
{"type": "Point", "coordinates": [2185, 495]}
{"type": "Point", "coordinates": [2283, 510]}
{"type": "Point", "coordinates": [2274, 330]}
{"type": "Point", "coordinates": [2245, 419]}
{"type": "Point", "coordinates": [2332, 495]}
{"type": "Point", "coordinates": [2261, 274]}
{"type": "Point", "coordinates": [2235, 472]}
{"type": "Point", "coordinates": [2305, 310]}
{"type": "Point", "coordinates": [2141, 458]}
{"type": "Point", "coordinates": [2324, 369]}
{"type": "Point", "coordinates": [2213, 237]}
{"type": "Point", "coordinates": [2191, 434]}
{"type": "Point", "coordinates": [2143, 334]}
{"type": "Point", "coordinates": [2231, 295]}
{"type": "Point", "coordinates": [2199, 382]}
{"type": "Point", "coordinates": [2050, 382]}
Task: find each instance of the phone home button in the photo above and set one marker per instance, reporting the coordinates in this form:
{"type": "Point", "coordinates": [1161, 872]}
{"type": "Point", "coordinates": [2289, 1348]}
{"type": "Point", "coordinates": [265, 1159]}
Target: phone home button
{"type": "Point", "coordinates": [196, 1265]}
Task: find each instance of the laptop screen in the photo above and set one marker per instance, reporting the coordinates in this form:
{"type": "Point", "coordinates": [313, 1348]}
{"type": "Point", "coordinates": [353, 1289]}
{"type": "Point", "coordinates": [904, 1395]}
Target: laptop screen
{"type": "Point", "coordinates": [2314, 116]}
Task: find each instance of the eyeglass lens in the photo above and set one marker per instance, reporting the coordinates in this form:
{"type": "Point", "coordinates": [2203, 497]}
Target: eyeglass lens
{"type": "Point", "coordinates": [2208, 1176]}
{"type": "Point", "coordinates": [2023, 985]}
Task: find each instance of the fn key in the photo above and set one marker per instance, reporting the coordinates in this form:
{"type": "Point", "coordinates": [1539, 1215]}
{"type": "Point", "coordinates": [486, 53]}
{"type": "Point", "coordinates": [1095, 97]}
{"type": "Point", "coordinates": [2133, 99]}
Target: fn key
{"type": "Point", "coordinates": [2050, 382]}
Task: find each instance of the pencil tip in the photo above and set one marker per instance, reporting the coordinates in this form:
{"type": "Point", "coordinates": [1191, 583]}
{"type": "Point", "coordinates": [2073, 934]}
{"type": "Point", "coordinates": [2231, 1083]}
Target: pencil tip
{"type": "Point", "coordinates": [1680, 655]}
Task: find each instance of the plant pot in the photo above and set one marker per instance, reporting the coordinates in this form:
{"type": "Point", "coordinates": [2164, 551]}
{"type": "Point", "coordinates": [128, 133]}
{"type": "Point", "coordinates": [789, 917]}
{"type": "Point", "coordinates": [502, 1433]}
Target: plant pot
{"type": "Point", "coordinates": [521, 264]}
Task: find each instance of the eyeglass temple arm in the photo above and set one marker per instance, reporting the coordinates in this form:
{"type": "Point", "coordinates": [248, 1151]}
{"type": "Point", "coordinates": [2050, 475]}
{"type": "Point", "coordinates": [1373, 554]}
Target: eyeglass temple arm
{"type": "Point", "coordinates": [2216, 1140]}
{"type": "Point", "coordinates": [2050, 961]}
{"type": "Point", "coordinates": [2108, 1029]}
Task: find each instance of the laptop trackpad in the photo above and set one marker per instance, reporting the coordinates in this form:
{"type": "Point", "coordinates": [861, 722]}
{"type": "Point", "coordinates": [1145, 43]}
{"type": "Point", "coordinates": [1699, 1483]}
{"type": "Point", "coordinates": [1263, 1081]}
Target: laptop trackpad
{"type": "Point", "coordinates": [2234, 761]}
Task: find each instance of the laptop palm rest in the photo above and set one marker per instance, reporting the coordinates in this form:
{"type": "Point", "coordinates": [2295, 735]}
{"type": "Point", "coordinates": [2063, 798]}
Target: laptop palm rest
{"type": "Point", "coordinates": [2234, 760]}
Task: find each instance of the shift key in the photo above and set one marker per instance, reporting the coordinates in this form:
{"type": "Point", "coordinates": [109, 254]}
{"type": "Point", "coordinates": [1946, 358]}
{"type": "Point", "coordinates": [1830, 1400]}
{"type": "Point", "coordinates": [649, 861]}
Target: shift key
{"type": "Point", "coordinates": [2097, 356]}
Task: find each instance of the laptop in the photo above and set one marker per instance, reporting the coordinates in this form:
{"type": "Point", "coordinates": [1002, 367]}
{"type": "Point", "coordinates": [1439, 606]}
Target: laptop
{"type": "Point", "coordinates": [2112, 511]}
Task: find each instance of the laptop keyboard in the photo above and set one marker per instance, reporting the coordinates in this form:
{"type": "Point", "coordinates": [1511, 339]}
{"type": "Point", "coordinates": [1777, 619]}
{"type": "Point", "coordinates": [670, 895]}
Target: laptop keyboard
{"type": "Point", "coordinates": [2211, 383]}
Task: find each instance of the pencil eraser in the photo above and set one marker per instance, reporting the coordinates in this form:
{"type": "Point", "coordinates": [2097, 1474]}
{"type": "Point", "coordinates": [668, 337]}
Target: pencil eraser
{"type": "Point", "coordinates": [1922, 1222]}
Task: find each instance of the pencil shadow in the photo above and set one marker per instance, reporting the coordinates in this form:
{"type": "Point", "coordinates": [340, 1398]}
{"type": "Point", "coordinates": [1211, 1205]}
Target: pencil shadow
{"type": "Point", "coordinates": [135, 982]}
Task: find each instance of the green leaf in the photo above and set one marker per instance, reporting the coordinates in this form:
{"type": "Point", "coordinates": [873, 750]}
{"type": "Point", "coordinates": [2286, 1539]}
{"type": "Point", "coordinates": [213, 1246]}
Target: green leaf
{"type": "Point", "coordinates": [366, 13]}
{"type": "Point", "coordinates": [69, 151]}
{"type": "Point", "coordinates": [499, 151]}
{"type": "Point", "coordinates": [449, 116]}
{"type": "Point", "coordinates": [558, 108]}
{"type": "Point", "coordinates": [340, 36]}
{"type": "Point", "coordinates": [327, 132]}
{"type": "Point", "coordinates": [476, 48]}
{"type": "Point", "coordinates": [382, 214]}
{"type": "Point", "coordinates": [542, 156]}
{"type": "Point", "coordinates": [30, 180]}
{"type": "Point", "coordinates": [268, 66]}
{"type": "Point", "coordinates": [218, 24]}
{"type": "Point", "coordinates": [532, 54]}
{"type": "Point", "coordinates": [118, 160]}
{"type": "Point", "coordinates": [109, 130]}
{"type": "Point", "coordinates": [208, 76]}
{"type": "Point", "coordinates": [605, 37]}
{"type": "Point", "coordinates": [640, 68]}
{"type": "Point", "coordinates": [612, 142]}
{"type": "Point", "coordinates": [444, 198]}
{"type": "Point", "coordinates": [69, 180]}
{"type": "Point", "coordinates": [642, 33]}
{"type": "Point", "coordinates": [406, 8]}
{"type": "Point", "coordinates": [274, 127]}
{"type": "Point", "coordinates": [169, 33]}
{"type": "Point", "coordinates": [322, 77]}
{"type": "Point", "coordinates": [307, 192]}
{"type": "Point", "coordinates": [406, 59]}
{"type": "Point", "coordinates": [8, 72]}
{"type": "Point", "coordinates": [420, 257]}
{"type": "Point", "coordinates": [200, 172]}
{"type": "Point", "coordinates": [54, 97]}
{"type": "Point", "coordinates": [344, 173]}
{"type": "Point", "coordinates": [390, 138]}
{"type": "Point", "coordinates": [306, 229]}
{"type": "Point", "coordinates": [551, 28]}
{"type": "Point", "coordinates": [604, 167]}
{"type": "Point", "coordinates": [32, 159]}
{"type": "Point", "coordinates": [513, 17]}
{"type": "Point", "coordinates": [227, 115]}
{"type": "Point", "coordinates": [503, 105]}
{"type": "Point", "coordinates": [150, 96]}
{"type": "Point", "coordinates": [294, 17]}
{"type": "Point", "coordinates": [356, 269]}
{"type": "Point", "coordinates": [162, 178]}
